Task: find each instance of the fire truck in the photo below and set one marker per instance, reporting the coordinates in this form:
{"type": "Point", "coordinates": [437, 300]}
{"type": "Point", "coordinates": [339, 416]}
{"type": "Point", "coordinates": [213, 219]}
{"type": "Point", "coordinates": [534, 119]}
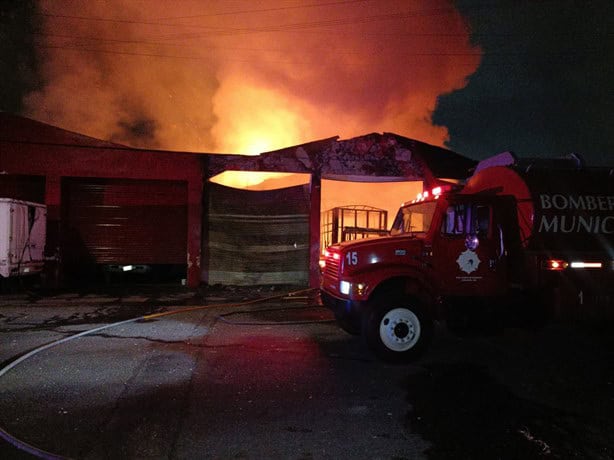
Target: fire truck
{"type": "Point", "coordinates": [521, 240]}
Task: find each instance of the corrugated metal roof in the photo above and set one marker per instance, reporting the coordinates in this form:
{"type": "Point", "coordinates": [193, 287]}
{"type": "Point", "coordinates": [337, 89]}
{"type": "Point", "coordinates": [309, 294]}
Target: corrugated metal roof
{"type": "Point", "coordinates": [17, 129]}
{"type": "Point", "coordinates": [443, 163]}
{"type": "Point", "coordinates": [371, 157]}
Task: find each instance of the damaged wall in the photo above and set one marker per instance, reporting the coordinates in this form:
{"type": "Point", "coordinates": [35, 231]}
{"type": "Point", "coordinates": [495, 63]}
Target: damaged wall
{"type": "Point", "coordinates": [253, 238]}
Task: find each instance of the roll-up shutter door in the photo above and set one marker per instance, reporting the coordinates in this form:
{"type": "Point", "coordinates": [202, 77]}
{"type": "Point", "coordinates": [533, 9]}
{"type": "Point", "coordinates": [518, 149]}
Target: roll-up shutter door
{"type": "Point", "coordinates": [257, 237]}
{"type": "Point", "coordinates": [107, 221]}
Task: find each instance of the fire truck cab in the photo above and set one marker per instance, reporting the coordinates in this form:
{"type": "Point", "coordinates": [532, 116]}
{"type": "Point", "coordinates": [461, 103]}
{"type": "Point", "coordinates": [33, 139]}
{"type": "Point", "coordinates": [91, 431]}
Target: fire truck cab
{"type": "Point", "coordinates": [516, 239]}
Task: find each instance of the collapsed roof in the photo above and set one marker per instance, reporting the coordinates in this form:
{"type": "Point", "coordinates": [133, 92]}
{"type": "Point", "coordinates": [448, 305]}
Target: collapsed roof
{"type": "Point", "coordinates": [371, 158]}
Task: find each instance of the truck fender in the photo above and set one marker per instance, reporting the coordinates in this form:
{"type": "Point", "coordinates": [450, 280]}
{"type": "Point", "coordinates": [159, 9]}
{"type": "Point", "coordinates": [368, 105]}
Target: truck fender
{"type": "Point", "coordinates": [408, 285]}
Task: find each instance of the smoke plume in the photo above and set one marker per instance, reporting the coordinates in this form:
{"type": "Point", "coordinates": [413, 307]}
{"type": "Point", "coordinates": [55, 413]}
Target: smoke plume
{"type": "Point", "coordinates": [247, 77]}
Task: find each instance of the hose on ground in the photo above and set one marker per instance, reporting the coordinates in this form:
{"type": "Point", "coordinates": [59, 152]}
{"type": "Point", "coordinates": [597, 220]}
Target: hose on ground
{"type": "Point", "coordinates": [41, 453]}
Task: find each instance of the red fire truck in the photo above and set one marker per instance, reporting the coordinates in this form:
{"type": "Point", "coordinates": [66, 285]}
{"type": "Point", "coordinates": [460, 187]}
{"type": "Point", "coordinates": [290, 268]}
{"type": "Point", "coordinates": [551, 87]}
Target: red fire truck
{"type": "Point", "coordinates": [522, 239]}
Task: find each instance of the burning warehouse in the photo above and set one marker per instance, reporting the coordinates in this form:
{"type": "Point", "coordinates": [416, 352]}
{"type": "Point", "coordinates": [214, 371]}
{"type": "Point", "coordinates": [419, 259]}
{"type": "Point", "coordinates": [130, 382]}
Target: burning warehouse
{"type": "Point", "coordinates": [190, 83]}
{"type": "Point", "coordinates": [109, 205]}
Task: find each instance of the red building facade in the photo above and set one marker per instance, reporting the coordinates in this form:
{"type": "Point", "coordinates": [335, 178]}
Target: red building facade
{"type": "Point", "coordinates": [106, 203]}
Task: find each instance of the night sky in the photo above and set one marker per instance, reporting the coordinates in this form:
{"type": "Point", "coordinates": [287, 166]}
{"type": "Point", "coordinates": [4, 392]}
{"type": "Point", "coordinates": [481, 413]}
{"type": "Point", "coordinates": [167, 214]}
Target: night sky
{"type": "Point", "coordinates": [19, 72]}
{"type": "Point", "coordinates": [543, 86]}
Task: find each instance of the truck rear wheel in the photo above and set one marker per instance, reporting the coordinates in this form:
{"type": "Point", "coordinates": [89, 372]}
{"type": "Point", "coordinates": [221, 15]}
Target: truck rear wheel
{"type": "Point", "coordinates": [397, 329]}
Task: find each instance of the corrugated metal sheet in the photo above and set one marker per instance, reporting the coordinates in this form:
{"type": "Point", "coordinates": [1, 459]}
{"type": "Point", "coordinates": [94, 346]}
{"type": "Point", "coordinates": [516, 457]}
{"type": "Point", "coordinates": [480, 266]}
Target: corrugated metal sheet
{"type": "Point", "coordinates": [370, 158]}
{"type": "Point", "coordinates": [257, 237]}
{"type": "Point", "coordinates": [124, 222]}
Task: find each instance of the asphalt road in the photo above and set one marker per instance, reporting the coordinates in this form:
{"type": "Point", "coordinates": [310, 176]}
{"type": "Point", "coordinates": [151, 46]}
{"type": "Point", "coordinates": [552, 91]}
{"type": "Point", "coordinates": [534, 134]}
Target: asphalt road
{"type": "Point", "coordinates": [278, 379]}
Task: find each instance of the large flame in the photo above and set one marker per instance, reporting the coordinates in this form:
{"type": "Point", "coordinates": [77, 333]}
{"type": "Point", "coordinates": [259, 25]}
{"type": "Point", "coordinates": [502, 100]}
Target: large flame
{"type": "Point", "coordinates": [247, 77]}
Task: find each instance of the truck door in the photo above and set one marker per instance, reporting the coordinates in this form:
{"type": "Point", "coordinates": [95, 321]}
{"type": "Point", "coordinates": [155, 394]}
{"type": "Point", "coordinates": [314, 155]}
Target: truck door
{"type": "Point", "coordinates": [468, 251]}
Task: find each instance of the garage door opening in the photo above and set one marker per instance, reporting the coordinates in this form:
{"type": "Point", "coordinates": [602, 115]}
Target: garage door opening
{"type": "Point", "coordinates": [256, 180]}
{"type": "Point", "coordinates": [256, 237]}
{"type": "Point", "coordinates": [386, 195]}
{"type": "Point", "coordinates": [123, 231]}
{"type": "Point", "coordinates": [243, 229]}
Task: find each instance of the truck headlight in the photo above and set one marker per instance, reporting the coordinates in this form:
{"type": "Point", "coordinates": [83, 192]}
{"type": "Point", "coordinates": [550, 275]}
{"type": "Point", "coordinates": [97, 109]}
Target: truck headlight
{"type": "Point", "coordinates": [344, 287]}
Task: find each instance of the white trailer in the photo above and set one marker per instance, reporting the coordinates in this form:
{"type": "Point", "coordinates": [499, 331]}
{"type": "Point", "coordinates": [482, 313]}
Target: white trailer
{"type": "Point", "coordinates": [23, 226]}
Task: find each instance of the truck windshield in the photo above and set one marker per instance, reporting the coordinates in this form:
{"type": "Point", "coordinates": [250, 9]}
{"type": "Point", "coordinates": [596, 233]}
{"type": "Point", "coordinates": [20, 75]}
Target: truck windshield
{"type": "Point", "coordinates": [414, 218]}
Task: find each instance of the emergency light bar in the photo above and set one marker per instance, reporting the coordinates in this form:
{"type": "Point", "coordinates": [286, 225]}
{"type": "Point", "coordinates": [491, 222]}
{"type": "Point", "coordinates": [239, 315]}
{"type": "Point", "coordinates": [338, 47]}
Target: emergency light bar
{"type": "Point", "coordinates": [434, 193]}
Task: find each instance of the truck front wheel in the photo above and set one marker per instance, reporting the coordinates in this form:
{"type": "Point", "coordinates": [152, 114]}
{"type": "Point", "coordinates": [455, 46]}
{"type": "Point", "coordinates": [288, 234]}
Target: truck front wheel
{"type": "Point", "coordinates": [397, 330]}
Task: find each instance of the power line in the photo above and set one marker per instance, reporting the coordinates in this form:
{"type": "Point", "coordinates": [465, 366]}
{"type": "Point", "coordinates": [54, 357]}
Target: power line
{"type": "Point", "coordinates": [396, 15]}
{"type": "Point", "coordinates": [604, 35]}
{"type": "Point", "coordinates": [306, 26]}
{"type": "Point", "coordinates": [373, 52]}
{"type": "Point", "coordinates": [198, 58]}
{"type": "Point", "coordinates": [267, 10]}
{"type": "Point", "coordinates": [282, 27]}
{"type": "Point", "coordinates": [89, 43]}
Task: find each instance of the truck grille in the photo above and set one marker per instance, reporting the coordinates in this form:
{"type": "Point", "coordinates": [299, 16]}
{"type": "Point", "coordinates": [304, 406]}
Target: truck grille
{"type": "Point", "coordinates": [332, 267]}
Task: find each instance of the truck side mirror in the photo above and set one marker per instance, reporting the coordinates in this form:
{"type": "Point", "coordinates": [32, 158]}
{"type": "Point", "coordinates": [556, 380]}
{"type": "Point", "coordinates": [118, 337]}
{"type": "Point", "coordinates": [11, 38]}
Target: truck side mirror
{"type": "Point", "coordinates": [501, 243]}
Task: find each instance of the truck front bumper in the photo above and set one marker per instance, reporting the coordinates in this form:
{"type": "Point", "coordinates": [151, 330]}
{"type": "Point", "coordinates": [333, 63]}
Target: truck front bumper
{"type": "Point", "coordinates": [344, 309]}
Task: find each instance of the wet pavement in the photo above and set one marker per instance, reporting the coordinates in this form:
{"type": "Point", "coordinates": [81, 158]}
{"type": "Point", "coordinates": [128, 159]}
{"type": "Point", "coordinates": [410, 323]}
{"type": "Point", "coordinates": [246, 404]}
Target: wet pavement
{"type": "Point", "coordinates": [523, 394]}
{"type": "Point", "coordinates": [278, 379]}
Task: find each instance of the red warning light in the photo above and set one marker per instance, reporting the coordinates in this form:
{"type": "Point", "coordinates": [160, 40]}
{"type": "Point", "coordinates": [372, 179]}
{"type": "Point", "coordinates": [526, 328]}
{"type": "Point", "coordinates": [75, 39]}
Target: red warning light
{"type": "Point", "coordinates": [555, 265]}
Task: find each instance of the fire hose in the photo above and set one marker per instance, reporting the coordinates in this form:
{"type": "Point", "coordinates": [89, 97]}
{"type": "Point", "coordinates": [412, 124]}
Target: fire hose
{"type": "Point", "coordinates": [37, 452]}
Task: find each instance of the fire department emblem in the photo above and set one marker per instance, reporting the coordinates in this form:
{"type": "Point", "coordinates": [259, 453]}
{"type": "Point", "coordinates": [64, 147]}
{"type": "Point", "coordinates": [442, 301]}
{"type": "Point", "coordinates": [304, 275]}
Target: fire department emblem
{"type": "Point", "coordinates": [468, 261]}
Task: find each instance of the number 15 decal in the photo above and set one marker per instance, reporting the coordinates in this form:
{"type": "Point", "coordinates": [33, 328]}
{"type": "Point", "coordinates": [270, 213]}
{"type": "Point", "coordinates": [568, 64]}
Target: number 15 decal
{"type": "Point", "coordinates": [352, 258]}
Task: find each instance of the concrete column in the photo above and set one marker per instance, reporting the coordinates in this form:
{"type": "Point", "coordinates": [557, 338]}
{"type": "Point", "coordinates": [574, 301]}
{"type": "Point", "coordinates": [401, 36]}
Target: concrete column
{"type": "Point", "coordinates": [53, 200]}
{"type": "Point", "coordinates": [315, 195]}
{"type": "Point", "coordinates": [195, 222]}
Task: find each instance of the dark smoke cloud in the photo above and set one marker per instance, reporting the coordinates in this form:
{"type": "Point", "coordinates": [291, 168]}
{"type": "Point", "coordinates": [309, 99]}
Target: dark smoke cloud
{"type": "Point", "coordinates": [18, 23]}
{"type": "Point", "coordinates": [244, 76]}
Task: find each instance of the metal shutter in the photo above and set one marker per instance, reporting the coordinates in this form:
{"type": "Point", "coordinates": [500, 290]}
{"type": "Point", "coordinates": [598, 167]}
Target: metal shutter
{"type": "Point", "coordinates": [108, 221]}
{"type": "Point", "coordinates": [257, 237]}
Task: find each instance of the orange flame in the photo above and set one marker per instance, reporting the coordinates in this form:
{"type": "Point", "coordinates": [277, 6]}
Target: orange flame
{"type": "Point", "coordinates": [248, 77]}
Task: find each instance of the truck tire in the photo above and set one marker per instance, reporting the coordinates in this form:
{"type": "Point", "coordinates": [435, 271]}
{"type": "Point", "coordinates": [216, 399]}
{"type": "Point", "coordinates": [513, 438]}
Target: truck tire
{"type": "Point", "coordinates": [397, 329]}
